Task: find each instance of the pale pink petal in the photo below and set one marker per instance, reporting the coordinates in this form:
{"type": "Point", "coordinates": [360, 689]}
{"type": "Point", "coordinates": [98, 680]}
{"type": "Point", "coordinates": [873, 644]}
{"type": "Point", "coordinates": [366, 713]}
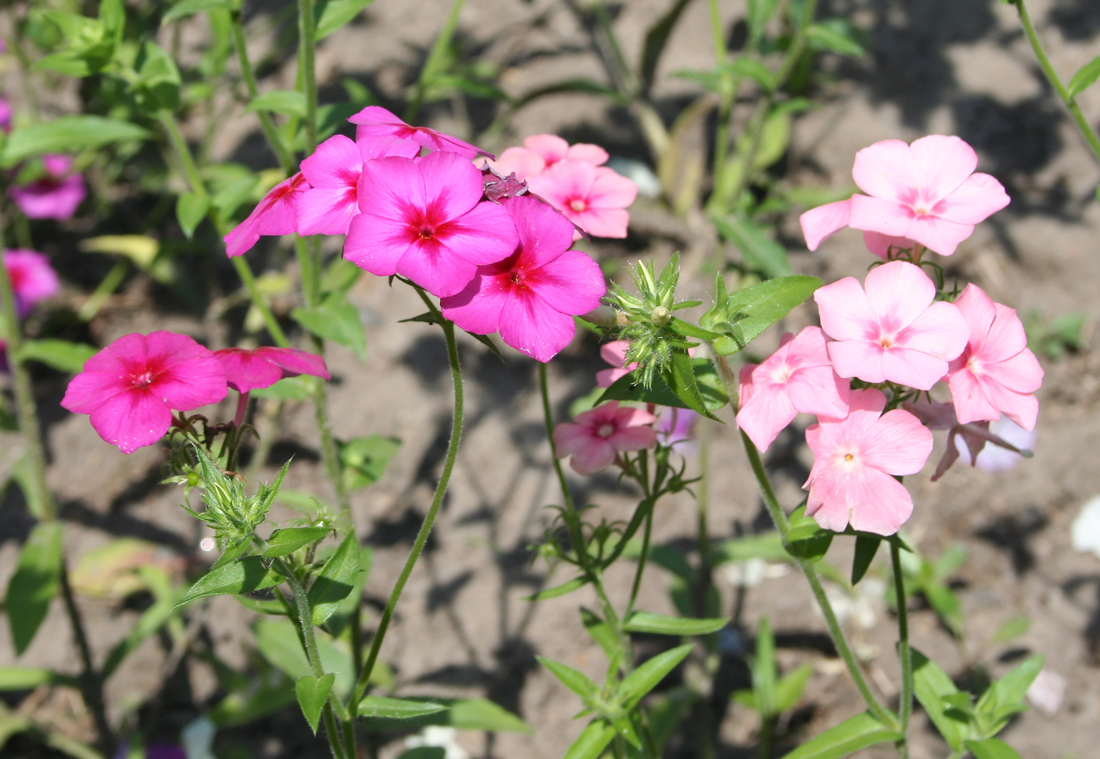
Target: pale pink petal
{"type": "Point", "coordinates": [975, 200]}
{"type": "Point", "coordinates": [563, 182]}
{"type": "Point", "coordinates": [899, 292]}
{"type": "Point", "coordinates": [592, 456]}
{"type": "Point", "coordinates": [940, 331]}
{"type": "Point", "coordinates": [569, 437]}
{"type": "Point", "coordinates": [377, 244]}
{"type": "Point", "coordinates": [878, 503]}
{"type": "Point", "coordinates": [612, 190]}
{"type": "Point", "coordinates": [885, 170]}
{"type": "Point", "coordinates": [614, 352]}
{"type": "Point", "coordinates": [827, 503]}
{"type": "Point", "coordinates": [887, 217]}
{"type": "Point", "coordinates": [531, 326]}
{"type": "Point", "coordinates": [846, 313]}
{"type": "Point", "coordinates": [858, 358]}
{"type": "Point", "coordinates": [131, 420]}
{"type": "Point", "coordinates": [886, 246]}
{"type": "Point", "coordinates": [969, 397]}
{"type": "Point", "coordinates": [819, 391]}
{"type": "Point", "coordinates": [520, 161]}
{"type": "Point", "coordinates": [765, 414]}
{"type": "Point", "coordinates": [941, 164]}
{"type": "Point", "coordinates": [1006, 336]}
{"type": "Point", "coordinates": [911, 368]}
{"type": "Point", "coordinates": [633, 439]}
{"type": "Point", "coordinates": [608, 377]}
{"type": "Point", "coordinates": [588, 153]}
{"type": "Point", "coordinates": [1021, 373]}
{"type": "Point", "coordinates": [601, 222]}
{"type": "Point", "coordinates": [818, 223]}
{"type": "Point", "coordinates": [979, 311]}
{"type": "Point", "coordinates": [1019, 407]}
{"type": "Point", "coordinates": [549, 147]}
{"type": "Point", "coordinates": [938, 234]}
{"type": "Point", "coordinates": [897, 444]}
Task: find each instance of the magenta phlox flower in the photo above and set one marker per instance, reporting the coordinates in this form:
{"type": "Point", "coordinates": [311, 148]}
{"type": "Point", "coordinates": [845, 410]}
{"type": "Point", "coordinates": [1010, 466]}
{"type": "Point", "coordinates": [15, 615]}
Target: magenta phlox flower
{"type": "Point", "coordinates": [247, 370]}
{"type": "Point", "coordinates": [55, 195]}
{"type": "Point", "coordinates": [596, 437]}
{"type": "Point", "coordinates": [5, 115]}
{"type": "Point", "coordinates": [541, 151]}
{"type": "Point", "coordinates": [796, 378]}
{"type": "Point", "coordinates": [893, 332]}
{"type": "Point", "coordinates": [855, 461]}
{"type": "Point", "coordinates": [614, 353]}
{"type": "Point", "coordinates": [333, 174]}
{"type": "Point", "coordinates": [425, 219]}
{"type": "Point", "coordinates": [996, 373]}
{"type": "Point", "coordinates": [531, 296]}
{"type": "Point", "coordinates": [375, 121]}
{"type": "Point", "coordinates": [131, 387]}
{"type": "Point", "coordinates": [275, 214]}
{"type": "Point", "coordinates": [926, 192]}
{"type": "Point", "coordinates": [32, 278]}
{"type": "Point", "coordinates": [592, 197]}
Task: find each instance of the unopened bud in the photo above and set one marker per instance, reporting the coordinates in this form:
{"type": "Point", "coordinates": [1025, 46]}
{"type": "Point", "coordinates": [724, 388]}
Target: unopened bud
{"type": "Point", "coordinates": [661, 316]}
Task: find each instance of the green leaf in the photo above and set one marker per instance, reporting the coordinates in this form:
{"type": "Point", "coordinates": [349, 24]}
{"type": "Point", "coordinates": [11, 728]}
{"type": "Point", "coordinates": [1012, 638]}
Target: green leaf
{"type": "Point", "coordinates": [656, 37]}
{"type": "Point", "coordinates": [763, 669]}
{"type": "Point", "coordinates": [746, 313]}
{"type": "Point", "coordinates": [601, 632]}
{"type": "Point", "coordinates": [337, 320]}
{"type": "Point", "coordinates": [932, 686]}
{"type": "Point", "coordinates": [946, 604]}
{"type": "Point", "coordinates": [707, 383]}
{"type": "Point", "coordinates": [312, 695]}
{"type": "Point", "coordinates": [482, 714]}
{"type": "Point", "coordinates": [1005, 697]}
{"type": "Point", "coordinates": [866, 548]}
{"type": "Point", "coordinates": [286, 102]}
{"type": "Point", "coordinates": [57, 354]}
{"type": "Point", "coordinates": [559, 590]}
{"type": "Point", "coordinates": [641, 621]}
{"type": "Point", "coordinates": [397, 708]}
{"type": "Point", "coordinates": [277, 641]}
{"type": "Point", "coordinates": [574, 680]}
{"type": "Point", "coordinates": [12, 724]}
{"type": "Point", "coordinates": [679, 375]}
{"type": "Point", "coordinates": [35, 582]}
{"type": "Point", "coordinates": [581, 85]}
{"type": "Point", "coordinates": [835, 35]}
{"type": "Point", "coordinates": [760, 252]}
{"type": "Point", "coordinates": [760, 12]}
{"type": "Point", "coordinates": [1084, 77]}
{"type": "Point", "coordinates": [646, 677]}
{"type": "Point", "coordinates": [789, 688]}
{"type": "Point", "coordinates": [190, 210]}
{"type": "Point", "coordinates": [592, 741]}
{"type": "Point", "coordinates": [991, 748]}
{"type": "Point", "coordinates": [289, 389]}
{"type": "Point", "coordinates": [290, 539]}
{"type": "Point", "coordinates": [364, 459]}
{"type": "Point", "coordinates": [853, 734]}
{"type": "Point", "coordinates": [768, 546]}
{"type": "Point", "coordinates": [244, 576]}
{"type": "Point", "coordinates": [29, 678]}
{"type": "Point", "coordinates": [1011, 629]}
{"type": "Point", "coordinates": [336, 581]}
{"type": "Point", "coordinates": [331, 15]}
{"type": "Point", "coordinates": [190, 7]}
{"type": "Point", "coordinates": [805, 538]}
{"type": "Point", "coordinates": [67, 134]}
{"type": "Point", "coordinates": [754, 70]}
{"type": "Point", "coordinates": [159, 76]}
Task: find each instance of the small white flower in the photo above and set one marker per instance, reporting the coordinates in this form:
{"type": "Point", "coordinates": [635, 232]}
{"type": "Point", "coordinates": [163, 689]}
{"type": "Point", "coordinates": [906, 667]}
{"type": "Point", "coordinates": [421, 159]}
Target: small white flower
{"type": "Point", "coordinates": [438, 737]}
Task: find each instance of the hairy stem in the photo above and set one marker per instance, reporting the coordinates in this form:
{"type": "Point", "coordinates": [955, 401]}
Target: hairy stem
{"type": "Point", "coordinates": [905, 707]}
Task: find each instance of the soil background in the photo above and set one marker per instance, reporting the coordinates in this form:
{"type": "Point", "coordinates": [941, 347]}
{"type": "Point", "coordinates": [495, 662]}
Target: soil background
{"type": "Point", "coordinates": [463, 628]}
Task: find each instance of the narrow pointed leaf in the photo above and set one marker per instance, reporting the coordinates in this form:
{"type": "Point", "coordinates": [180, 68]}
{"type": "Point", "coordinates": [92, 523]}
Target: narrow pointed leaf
{"type": "Point", "coordinates": [35, 583]}
{"type": "Point", "coordinates": [558, 590]}
{"type": "Point", "coordinates": [592, 741]}
{"type": "Point", "coordinates": [312, 695]}
{"type": "Point", "coordinates": [337, 320]}
{"type": "Point", "coordinates": [853, 734]}
{"type": "Point", "coordinates": [574, 680]}
{"type": "Point", "coordinates": [646, 677]}
{"type": "Point", "coordinates": [397, 708]}
{"type": "Point", "coordinates": [61, 355]}
{"type": "Point", "coordinates": [747, 313]}
{"type": "Point", "coordinates": [190, 210]}
{"type": "Point", "coordinates": [186, 8]}
{"type": "Point", "coordinates": [932, 686]}
{"type": "Point", "coordinates": [1084, 77]}
{"type": "Point", "coordinates": [67, 134]}
{"type": "Point", "coordinates": [601, 632]}
{"type": "Point", "coordinates": [290, 539]}
{"type": "Point", "coordinates": [991, 748]}
{"type": "Point", "coordinates": [244, 576]}
{"type": "Point", "coordinates": [866, 548]}
{"type": "Point", "coordinates": [336, 581]}
{"type": "Point", "coordinates": [789, 689]}
{"type": "Point", "coordinates": [660, 624]}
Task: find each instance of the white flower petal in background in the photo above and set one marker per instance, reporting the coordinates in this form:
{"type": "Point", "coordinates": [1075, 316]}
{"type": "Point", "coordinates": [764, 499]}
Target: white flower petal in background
{"type": "Point", "coordinates": [860, 605]}
{"type": "Point", "coordinates": [1086, 528]}
{"type": "Point", "coordinates": [1047, 692]}
{"type": "Point", "coordinates": [649, 186]}
{"type": "Point", "coordinates": [197, 738]}
{"type": "Point", "coordinates": [438, 737]}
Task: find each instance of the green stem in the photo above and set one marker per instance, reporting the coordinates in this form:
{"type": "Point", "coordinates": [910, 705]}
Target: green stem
{"type": "Point", "coordinates": [642, 559]}
{"type": "Point", "coordinates": [307, 45]}
{"type": "Point", "coordinates": [282, 152]}
{"type": "Point", "coordinates": [436, 57]}
{"type": "Point", "coordinates": [41, 499]}
{"type": "Point", "coordinates": [1068, 100]}
{"type": "Point", "coordinates": [905, 708]}
{"type": "Point", "coordinates": [429, 518]}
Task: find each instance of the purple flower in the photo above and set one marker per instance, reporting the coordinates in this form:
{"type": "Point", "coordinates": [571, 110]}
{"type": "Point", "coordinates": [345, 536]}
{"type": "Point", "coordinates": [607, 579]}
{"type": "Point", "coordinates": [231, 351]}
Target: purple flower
{"type": "Point", "coordinates": [54, 196]}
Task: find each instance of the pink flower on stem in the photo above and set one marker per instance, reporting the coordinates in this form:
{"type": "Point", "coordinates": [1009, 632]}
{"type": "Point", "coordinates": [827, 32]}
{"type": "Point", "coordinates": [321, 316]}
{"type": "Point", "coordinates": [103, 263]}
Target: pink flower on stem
{"type": "Point", "coordinates": [796, 378]}
{"type": "Point", "coordinates": [375, 121]}
{"type": "Point", "coordinates": [246, 370]}
{"type": "Point", "coordinates": [926, 192]}
{"type": "Point", "coordinates": [55, 195]}
{"type": "Point", "coordinates": [424, 219]}
{"type": "Point", "coordinates": [592, 197]}
{"type": "Point", "coordinates": [333, 175]}
{"type": "Point", "coordinates": [614, 353]}
{"type": "Point", "coordinates": [32, 278]}
{"type": "Point", "coordinates": [131, 387]}
{"type": "Point", "coordinates": [531, 296]}
{"type": "Point", "coordinates": [541, 151]}
{"type": "Point", "coordinates": [855, 461]}
{"type": "Point", "coordinates": [598, 436]}
{"type": "Point", "coordinates": [893, 332]}
{"type": "Point", "coordinates": [275, 214]}
{"type": "Point", "coordinates": [996, 373]}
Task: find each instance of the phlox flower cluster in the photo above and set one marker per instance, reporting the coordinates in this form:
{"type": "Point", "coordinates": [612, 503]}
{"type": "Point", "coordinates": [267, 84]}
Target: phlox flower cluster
{"type": "Point", "coordinates": [32, 279]}
{"type": "Point", "coordinates": [413, 204]}
{"type": "Point", "coordinates": [55, 194]}
{"type": "Point", "coordinates": [130, 388]}
{"type": "Point", "coordinates": [898, 338]}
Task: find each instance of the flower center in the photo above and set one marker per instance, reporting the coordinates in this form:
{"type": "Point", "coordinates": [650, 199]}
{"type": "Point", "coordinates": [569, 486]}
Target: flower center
{"type": "Point", "coordinates": [142, 380]}
{"type": "Point", "coordinates": [849, 457]}
{"type": "Point", "coordinates": [577, 205]}
{"type": "Point", "coordinates": [425, 232]}
{"type": "Point", "coordinates": [605, 430]}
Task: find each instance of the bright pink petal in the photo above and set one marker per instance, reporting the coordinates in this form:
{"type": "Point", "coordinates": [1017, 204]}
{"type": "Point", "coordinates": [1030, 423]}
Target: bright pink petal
{"type": "Point", "coordinates": [376, 244]}
{"type": "Point", "coordinates": [88, 390]}
{"type": "Point", "coordinates": [477, 307]}
{"type": "Point", "coordinates": [326, 210]}
{"type": "Point", "coordinates": [485, 235]}
{"type": "Point", "coordinates": [433, 266]}
{"type": "Point", "coordinates": [975, 200]}
{"type": "Point", "coordinates": [544, 234]}
{"type": "Point", "coordinates": [531, 326]}
{"type": "Point", "coordinates": [885, 170]}
{"type": "Point", "coordinates": [247, 371]}
{"type": "Point", "coordinates": [941, 164]}
{"type": "Point", "coordinates": [186, 386]}
{"type": "Point", "coordinates": [452, 185]}
{"type": "Point", "coordinates": [132, 420]}
{"type": "Point", "coordinates": [393, 188]}
{"type": "Point", "coordinates": [295, 362]}
{"type": "Point", "coordinates": [818, 223]}
{"type": "Point", "coordinates": [336, 163]}
{"type": "Point", "coordinates": [381, 146]}
{"type": "Point", "coordinates": [572, 283]}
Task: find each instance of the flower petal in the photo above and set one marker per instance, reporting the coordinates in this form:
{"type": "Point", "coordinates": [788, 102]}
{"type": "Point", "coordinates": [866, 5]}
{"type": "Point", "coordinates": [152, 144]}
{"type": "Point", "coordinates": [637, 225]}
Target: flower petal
{"type": "Point", "coordinates": [818, 223]}
{"type": "Point", "coordinates": [885, 170]}
{"type": "Point", "coordinates": [132, 420]}
{"type": "Point", "coordinates": [941, 164]}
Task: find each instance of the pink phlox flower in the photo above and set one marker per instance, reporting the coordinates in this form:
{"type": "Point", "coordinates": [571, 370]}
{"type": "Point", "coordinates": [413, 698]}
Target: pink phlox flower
{"type": "Point", "coordinates": [887, 247]}
{"type": "Point", "coordinates": [541, 151]}
{"type": "Point", "coordinates": [614, 353]}
{"type": "Point", "coordinates": [275, 214]}
{"type": "Point", "coordinates": [796, 378]}
{"type": "Point", "coordinates": [375, 121]}
{"type": "Point", "coordinates": [425, 219]}
{"type": "Point", "coordinates": [5, 115]}
{"type": "Point", "coordinates": [55, 195]}
{"type": "Point", "coordinates": [996, 373]}
{"type": "Point", "coordinates": [675, 428]}
{"type": "Point", "coordinates": [131, 387]}
{"type": "Point", "coordinates": [855, 461]}
{"type": "Point", "coordinates": [1009, 440]}
{"type": "Point", "coordinates": [1011, 444]}
{"type": "Point", "coordinates": [596, 438]}
{"type": "Point", "coordinates": [32, 278]}
{"type": "Point", "coordinates": [893, 332]}
{"type": "Point", "coordinates": [592, 197]}
{"type": "Point", "coordinates": [247, 370]}
{"type": "Point", "coordinates": [333, 173]}
{"type": "Point", "coordinates": [926, 192]}
{"type": "Point", "coordinates": [531, 296]}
